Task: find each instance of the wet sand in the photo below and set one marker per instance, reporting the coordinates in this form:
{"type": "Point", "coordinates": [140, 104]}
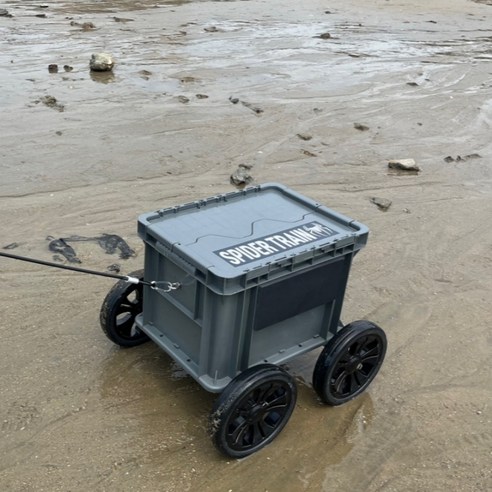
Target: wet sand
{"type": "Point", "coordinates": [78, 413]}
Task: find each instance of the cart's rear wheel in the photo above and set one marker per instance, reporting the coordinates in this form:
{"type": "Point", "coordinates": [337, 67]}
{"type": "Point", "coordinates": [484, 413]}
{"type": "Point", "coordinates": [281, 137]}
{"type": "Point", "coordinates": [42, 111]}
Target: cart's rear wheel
{"type": "Point", "coordinates": [349, 362]}
{"type": "Point", "coordinates": [252, 410]}
{"type": "Point", "coordinates": [119, 310]}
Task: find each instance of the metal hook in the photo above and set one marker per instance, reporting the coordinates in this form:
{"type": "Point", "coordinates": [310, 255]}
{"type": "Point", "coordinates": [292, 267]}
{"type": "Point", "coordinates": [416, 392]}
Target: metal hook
{"type": "Point", "coordinates": [166, 286]}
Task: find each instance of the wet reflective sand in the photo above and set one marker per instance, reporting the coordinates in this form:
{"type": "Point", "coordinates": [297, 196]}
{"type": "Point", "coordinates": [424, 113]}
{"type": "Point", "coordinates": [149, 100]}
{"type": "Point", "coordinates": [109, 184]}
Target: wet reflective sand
{"type": "Point", "coordinates": [78, 413]}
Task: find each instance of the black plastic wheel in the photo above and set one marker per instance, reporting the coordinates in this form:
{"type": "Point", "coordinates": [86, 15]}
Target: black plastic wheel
{"type": "Point", "coordinates": [119, 310]}
{"type": "Point", "coordinates": [349, 362]}
{"type": "Point", "coordinates": [252, 410]}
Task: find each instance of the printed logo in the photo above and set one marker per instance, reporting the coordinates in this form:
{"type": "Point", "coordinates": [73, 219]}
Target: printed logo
{"type": "Point", "coordinates": [285, 240]}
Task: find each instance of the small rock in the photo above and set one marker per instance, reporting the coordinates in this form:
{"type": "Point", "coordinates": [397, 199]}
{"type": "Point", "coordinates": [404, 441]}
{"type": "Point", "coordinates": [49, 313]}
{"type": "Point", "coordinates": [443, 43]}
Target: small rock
{"type": "Point", "coordinates": [361, 127]}
{"type": "Point", "coordinates": [53, 68]}
{"type": "Point", "coordinates": [201, 96]}
{"type": "Point", "coordinates": [187, 80]}
{"type": "Point", "coordinates": [11, 246]}
{"type": "Point", "coordinates": [115, 267]}
{"type": "Point", "coordinates": [5, 13]}
{"type": "Point", "coordinates": [325, 35]}
{"type": "Point", "coordinates": [234, 100]}
{"type": "Point", "coordinates": [59, 133]}
{"type": "Point", "coordinates": [41, 16]}
{"type": "Point", "coordinates": [247, 166]}
{"type": "Point", "coordinates": [241, 176]}
{"type": "Point", "coordinates": [101, 62]}
{"type": "Point", "coordinates": [67, 68]}
{"type": "Point", "coordinates": [404, 165]}
{"type": "Point", "coordinates": [145, 74]}
{"type": "Point", "coordinates": [412, 84]}
{"type": "Point", "coordinates": [308, 153]}
{"type": "Point", "coordinates": [51, 102]}
{"type": "Point", "coordinates": [382, 203]}
{"type": "Point", "coordinates": [183, 99]}
{"type": "Point", "coordinates": [211, 29]}
{"type": "Point", "coordinates": [121, 19]}
{"type": "Point", "coordinates": [86, 26]}
{"type": "Point", "coordinates": [304, 136]}
{"type": "Point", "coordinates": [460, 158]}
{"type": "Point", "coordinates": [253, 108]}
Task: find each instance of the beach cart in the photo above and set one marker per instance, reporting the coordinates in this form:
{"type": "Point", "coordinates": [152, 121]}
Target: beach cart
{"type": "Point", "coordinates": [246, 281]}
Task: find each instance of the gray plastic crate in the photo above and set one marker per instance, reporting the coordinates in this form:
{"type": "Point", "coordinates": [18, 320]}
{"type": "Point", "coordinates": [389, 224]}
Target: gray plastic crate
{"type": "Point", "coordinates": [263, 273]}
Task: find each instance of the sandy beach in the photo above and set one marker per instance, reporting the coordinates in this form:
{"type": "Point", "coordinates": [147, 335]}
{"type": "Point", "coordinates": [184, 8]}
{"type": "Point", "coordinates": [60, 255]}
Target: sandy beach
{"type": "Point", "coordinates": [318, 96]}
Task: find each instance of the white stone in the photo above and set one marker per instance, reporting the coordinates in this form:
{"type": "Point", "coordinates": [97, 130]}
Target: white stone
{"type": "Point", "coordinates": [404, 164]}
{"type": "Point", "coordinates": [101, 62]}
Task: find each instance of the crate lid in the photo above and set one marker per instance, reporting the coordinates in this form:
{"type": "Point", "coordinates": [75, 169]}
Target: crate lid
{"type": "Point", "coordinates": [244, 231]}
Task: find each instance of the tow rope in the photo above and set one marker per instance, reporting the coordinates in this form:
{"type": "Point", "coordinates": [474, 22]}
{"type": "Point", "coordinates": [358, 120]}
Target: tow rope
{"type": "Point", "coordinates": [164, 286]}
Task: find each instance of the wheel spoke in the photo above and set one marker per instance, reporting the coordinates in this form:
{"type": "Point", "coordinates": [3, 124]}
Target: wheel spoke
{"type": "Point", "coordinates": [264, 392]}
{"type": "Point", "coordinates": [269, 422]}
{"type": "Point", "coordinates": [280, 402]}
{"type": "Point", "coordinates": [129, 303]}
{"type": "Point", "coordinates": [360, 377]}
{"type": "Point", "coordinates": [260, 432]}
{"type": "Point", "coordinates": [240, 425]}
{"type": "Point", "coordinates": [340, 382]}
{"type": "Point", "coordinates": [343, 362]}
{"type": "Point", "coordinates": [125, 315]}
{"type": "Point", "coordinates": [371, 361]}
{"type": "Point", "coordinates": [358, 345]}
{"type": "Point", "coordinates": [132, 307]}
{"type": "Point", "coordinates": [374, 351]}
{"type": "Point", "coordinates": [126, 329]}
{"type": "Point", "coordinates": [132, 298]}
{"type": "Point", "coordinates": [354, 385]}
{"type": "Point", "coordinates": [124, 323]}
{"type": "Point", "coordinates": [135, 331]}
{"type": "Point", "coordinates": [123, 309]}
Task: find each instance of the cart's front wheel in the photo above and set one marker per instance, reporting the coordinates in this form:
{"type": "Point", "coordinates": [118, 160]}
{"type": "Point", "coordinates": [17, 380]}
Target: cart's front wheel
{"type": "Point", "coordinates": [349, 362]}
{"type": "Point", "coordinates": [119, 310]}
{"type": "Point", "coordinates": [252, 410]}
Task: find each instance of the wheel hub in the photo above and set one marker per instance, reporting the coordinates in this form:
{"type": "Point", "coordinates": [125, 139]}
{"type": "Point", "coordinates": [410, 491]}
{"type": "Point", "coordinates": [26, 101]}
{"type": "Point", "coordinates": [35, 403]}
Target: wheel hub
{"type": "Point", "coordinates": [256, 411]}
{"type": "Point", "coordinates": [354, 364]}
